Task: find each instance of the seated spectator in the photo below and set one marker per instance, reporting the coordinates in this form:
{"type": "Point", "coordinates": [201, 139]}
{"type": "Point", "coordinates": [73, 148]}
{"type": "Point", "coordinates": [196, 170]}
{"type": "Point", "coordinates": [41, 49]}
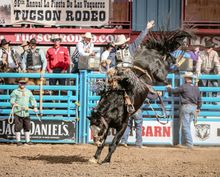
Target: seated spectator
{"type": "Point", "coordinates": [33, 60]}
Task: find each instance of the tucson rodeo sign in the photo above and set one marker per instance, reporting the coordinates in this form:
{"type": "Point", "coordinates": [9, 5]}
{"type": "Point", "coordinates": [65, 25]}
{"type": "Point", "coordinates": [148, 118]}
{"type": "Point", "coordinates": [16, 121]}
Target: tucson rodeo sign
{"type": "Point", "coordinates": [58, 12]}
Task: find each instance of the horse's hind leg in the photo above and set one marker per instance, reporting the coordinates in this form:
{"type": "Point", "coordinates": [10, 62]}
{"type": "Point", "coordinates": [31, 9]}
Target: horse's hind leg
{"type": "Point", "coordinates": [113, 145]}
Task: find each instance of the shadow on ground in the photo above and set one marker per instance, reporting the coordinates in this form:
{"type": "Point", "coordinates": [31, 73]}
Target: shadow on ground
{"type": "Point", "coordinates": [56, 159]}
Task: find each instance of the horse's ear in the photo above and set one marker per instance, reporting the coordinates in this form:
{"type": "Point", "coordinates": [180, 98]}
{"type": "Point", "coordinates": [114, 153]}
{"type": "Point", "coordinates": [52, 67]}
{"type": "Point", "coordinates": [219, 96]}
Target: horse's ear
{"type": "Point", "coordinates": [88, 117]}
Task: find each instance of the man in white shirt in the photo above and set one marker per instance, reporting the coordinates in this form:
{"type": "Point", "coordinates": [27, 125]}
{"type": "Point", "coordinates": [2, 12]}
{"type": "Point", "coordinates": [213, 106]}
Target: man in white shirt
{"type": "Point", "coordinates": [83, 48]}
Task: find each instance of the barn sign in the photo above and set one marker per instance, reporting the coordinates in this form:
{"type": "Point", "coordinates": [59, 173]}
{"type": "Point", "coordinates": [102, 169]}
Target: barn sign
{"type": "Point", "coordinates": [55, 12]}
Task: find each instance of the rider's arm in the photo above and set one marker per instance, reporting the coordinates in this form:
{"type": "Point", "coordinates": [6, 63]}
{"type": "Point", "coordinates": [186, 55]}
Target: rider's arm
{"type": "Point", "coordinates": [134, 46]}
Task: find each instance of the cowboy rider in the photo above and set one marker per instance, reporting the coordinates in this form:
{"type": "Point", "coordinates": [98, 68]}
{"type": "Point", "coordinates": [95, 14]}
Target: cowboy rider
{"type": "Point", "coordinates": [124, 52]}
{"type": "Point", "coordinates": [124, 57]}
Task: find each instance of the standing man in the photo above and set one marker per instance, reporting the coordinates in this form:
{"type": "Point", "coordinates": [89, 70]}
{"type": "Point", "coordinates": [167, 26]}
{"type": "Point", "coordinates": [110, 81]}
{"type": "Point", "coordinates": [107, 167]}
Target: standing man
{"type": "Point", "coordinates": [9, 60]}
{"type": "Point", "coordinates": [83, 48]}
{"type": "Point", "coordinates": [58, 59]}
{"type": "Point", "coordinates": [208, 63]}
{"type": "Point", "coordinates": [138, 122]}
{"type": "Point", "coordinates": [20, 100]}
{"type": "Point", "coordinates": [34, 61]}
{"type": "Point", "coordinates": [25, 46]}
{"type": "Point", "coordinates": [137, 118]}
{"type": "Point", "coordinates": [190, 99]}
{"type": "Point", "coordinates": [107, 60]}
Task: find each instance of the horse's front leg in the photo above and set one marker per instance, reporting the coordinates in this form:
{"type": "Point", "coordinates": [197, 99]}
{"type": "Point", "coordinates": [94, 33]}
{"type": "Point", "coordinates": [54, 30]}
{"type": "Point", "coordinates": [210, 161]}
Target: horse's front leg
{"type": "Point", "coordinates": [96, 157]}
{"type": "Point", "coordinates": [115, 142]}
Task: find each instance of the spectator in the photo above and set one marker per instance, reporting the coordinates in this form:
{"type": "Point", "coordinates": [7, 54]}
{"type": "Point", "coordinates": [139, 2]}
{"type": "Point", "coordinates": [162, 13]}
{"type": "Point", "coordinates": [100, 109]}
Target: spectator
{"type": "Point", "coordinates": [138, 122]}
{"type": "Point", "coordinates": [194, 54]}
{"type": "Point", "coordinates": [208, 63]}
{"type": "Point", "coordinates": [58, 60]}
{"type": "Point", "coordinates": [124, 52]}
{"type": "Point", "coordinates": [20, 100]}
{"type": "Point", "coordinates": [107, 60]}
{"type": "Point", "coordinates": [190, 106]}
{"type": "Point", "coordinates": [25, 46]}
{"type": "Point", "coordinates": [34, 60]}
{"type": "Point", "coordinates": [182, 56]}
{"type": "Point", "coordinates": [9, 60]}
{"type": "Point", "coordinates": [83, 48]}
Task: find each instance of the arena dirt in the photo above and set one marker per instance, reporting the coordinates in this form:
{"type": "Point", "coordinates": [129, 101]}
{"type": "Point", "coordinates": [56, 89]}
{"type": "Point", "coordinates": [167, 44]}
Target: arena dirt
{"type": "Point", "coordinates": [46, 160]}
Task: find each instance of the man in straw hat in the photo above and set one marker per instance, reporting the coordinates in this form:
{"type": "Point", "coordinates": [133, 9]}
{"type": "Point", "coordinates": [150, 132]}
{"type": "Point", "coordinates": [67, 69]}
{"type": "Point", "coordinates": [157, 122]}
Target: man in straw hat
{"type": "Point", "coordinates": [83, 48]}
{"type": "Point", "coordinates": [125, 52]}
{"type": "Point", "coordinates": [190, 99]}
{"type": "Point", "coordinates": [208, 63]}
{"type": "Point", "coordinates": [20, 99]}
{"type": "Point", "coordinates": [58, 59]}
{"type": "Point", "coordinates": [34, 61]}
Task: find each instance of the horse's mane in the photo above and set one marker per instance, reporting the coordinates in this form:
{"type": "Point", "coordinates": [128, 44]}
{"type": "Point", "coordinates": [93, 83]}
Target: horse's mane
{"type": "Point", "coordinates": [166, 42]}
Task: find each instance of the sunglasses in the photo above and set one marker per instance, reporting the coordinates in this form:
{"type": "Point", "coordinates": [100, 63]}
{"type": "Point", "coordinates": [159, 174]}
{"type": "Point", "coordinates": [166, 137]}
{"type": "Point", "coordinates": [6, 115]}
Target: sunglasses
{"type": "Point", "coordinates": [22, 83]}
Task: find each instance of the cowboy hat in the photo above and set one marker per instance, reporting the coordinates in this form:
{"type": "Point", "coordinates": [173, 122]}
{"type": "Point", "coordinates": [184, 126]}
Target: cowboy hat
{"type": "Point", "coordinates": [55, 37]}
{"type": "Point", "coordinates": [22, 80]}
{"type": "Point", "coordinates": [121, 39]}
{"type": "Point", "coordinates": [188, 75]}
{"type": "Point", "coordinates": [33, 41]}
{"type": "Point", "coordinates": [87, 35]}
{"type": "Point", "coordinates": [4, 42]}
{"type": "Point", "coordinates": [209, 44]}
{"type": "Point", "coordinates": [24, 43]}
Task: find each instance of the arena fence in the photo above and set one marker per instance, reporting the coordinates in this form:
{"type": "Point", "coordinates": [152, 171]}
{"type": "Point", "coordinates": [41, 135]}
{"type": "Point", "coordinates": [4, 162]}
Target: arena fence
{"type": "Point", "coordinates": [64, 120]}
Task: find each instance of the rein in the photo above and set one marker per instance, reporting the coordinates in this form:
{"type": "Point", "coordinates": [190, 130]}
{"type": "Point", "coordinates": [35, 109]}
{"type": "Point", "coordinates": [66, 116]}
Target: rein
{"type": "Point", "coordinates": [144, 72]}
{"type": "Point", "coordinates": [159, 115]}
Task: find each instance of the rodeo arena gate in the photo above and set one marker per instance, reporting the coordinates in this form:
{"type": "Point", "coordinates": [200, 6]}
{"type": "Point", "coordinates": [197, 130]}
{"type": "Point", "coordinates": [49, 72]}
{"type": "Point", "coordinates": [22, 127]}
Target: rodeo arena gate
{"type": "Point", "coordinates": [63, 118]}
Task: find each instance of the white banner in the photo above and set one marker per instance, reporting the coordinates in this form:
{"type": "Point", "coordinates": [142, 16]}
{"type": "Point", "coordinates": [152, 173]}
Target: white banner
{"type": "Point", "coordinates": [152, 133]}
{"type": "Point", "coordinates": [206, 133]}
{"type": "Point", "coordinates": [55, 12]}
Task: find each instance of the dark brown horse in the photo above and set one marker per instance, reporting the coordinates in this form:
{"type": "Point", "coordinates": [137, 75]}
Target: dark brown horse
{"type": "Point", "coordinates": [151, 66]}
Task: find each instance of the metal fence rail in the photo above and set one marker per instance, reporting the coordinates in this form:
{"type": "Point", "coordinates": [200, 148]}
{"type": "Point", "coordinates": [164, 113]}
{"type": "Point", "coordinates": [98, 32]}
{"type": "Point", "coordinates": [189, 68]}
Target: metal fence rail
{"type": "Point", "coordinates": [61, 123]}
{"type": "Point", "coordinates": [58, 107]}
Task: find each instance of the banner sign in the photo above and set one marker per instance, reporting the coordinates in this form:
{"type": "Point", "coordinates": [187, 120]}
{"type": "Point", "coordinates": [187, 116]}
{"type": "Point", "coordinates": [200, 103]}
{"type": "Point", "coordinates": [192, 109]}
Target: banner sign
{"type": "Point", "coordinates": [55, 12]}
{"type": "Point", "coordinates": [41, 38]}
{"type": "Point", "coordinates": [152, 133]}
{"type": "Point", "coordinates": [45, 131]}
{"type": "Point", "coordinates": [206, 133]}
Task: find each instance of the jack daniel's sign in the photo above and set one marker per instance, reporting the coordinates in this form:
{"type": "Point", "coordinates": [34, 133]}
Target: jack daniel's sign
{"type": "Point", "coordinates": [47, 130]}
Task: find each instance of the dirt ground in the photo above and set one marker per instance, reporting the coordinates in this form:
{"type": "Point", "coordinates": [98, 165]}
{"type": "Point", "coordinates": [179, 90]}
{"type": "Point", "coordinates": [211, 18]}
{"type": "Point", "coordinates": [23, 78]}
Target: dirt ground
{"type": "Point", "coordinates": [44, 160]}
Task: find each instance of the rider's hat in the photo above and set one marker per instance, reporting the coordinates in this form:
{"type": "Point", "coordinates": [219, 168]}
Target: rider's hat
{"type": "Point", "coordinates": [121, 39]}
{"type": "Point", "coordinates": [87, 35]}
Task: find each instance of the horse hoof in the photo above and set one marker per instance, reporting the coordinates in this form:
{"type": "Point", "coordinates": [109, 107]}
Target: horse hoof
{"type": "Point", "coordinates": [93, 160]}
{"type": "Point", "coordinates": [104, 163]}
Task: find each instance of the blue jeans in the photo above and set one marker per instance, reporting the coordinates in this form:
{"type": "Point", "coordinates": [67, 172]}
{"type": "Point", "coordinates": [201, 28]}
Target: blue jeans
{"type": "Point", "coordinates": [187, 113]}
{"type": "Point", "coordinates": [138, 122]}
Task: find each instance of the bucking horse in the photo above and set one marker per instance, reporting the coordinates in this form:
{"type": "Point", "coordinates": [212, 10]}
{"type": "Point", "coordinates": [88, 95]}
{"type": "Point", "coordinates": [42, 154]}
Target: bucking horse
{"type": "Point", "coordinates": [151, 66]}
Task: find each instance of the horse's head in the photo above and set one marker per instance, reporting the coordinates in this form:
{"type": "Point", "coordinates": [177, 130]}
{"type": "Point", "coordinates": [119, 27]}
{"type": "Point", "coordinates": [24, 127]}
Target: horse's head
{"type": "Point", "coordinates": [98, 127]}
